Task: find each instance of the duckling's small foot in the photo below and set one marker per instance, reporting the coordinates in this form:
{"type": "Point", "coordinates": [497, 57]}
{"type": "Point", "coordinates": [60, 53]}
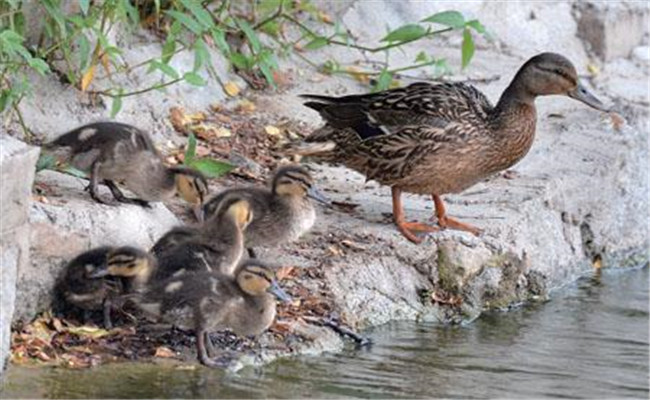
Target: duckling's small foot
{"type": "Point", "coordinates": [119, 196]}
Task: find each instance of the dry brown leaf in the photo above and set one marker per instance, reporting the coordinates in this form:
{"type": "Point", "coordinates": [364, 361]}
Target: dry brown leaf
{"type": "Point", "coordinates": [335, 250]}
{"type": "Point", "coordinates": [177, 118]}
{"type": "Point", "coordinates": [164, 352]}
{"type": "Point", "coordinates": [88, 331]}
{"type": "Point", "coordinates": [284, 272]}
{"type": "Point", "coordinates": [272, 130]}
{"type": "Point", "coordinates": [352, 245]}
{"type": "Point", "coordinates": [617, 120]}
{"type": "Point", "coordinates": [326, 18]}
{"type": "Point", "coordinates": [359, 75]}
{"type": "Point", "coordinates": [106, 63]}
{"type": "Point", "coordinates": [87, 78]}
{"type": "Point", "coordinates": [231, 89]}
{"type": "Point", "coordinates": [245, 106]}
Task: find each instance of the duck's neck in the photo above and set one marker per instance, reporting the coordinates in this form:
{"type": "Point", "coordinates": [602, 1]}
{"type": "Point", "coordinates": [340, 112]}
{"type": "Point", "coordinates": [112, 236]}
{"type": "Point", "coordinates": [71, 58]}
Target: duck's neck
{"type": "Point", "coordinates": [513, 122]}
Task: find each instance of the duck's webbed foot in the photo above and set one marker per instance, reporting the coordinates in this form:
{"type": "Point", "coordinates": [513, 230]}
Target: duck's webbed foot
{"type": "Point", "coordinates": [408, 229]}
{"type": "Point", "coordinates": [447, 222]}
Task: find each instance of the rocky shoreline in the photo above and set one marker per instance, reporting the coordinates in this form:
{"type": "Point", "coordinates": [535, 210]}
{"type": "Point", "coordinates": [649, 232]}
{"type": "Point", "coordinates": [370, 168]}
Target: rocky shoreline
{"type": "Point", "coordinates": [579, 200]}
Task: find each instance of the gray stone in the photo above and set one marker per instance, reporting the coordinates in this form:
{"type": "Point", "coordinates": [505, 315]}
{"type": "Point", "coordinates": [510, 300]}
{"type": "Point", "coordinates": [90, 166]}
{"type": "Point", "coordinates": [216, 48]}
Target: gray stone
{"type": "Point", "coordinates": [70, 223]}
{"type": "Point", "coordinates": [17, 162]}
{"type": "Point", "coordinates": [613, 29]}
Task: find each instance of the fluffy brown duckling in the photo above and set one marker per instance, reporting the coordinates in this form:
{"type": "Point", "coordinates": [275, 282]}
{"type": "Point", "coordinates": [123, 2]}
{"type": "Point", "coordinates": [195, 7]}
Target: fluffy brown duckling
{"type": "Point", "coordinates": [207, 301]}
{"type": "Point", "coordinates": [115, 153]}
{"type": "Point", "coordinates": [437, 139]}
{"type": "Point", "coordinates": [217, 245]}
{"type": "Point", "coordinates": [95, 279]}
{"type": "Point", "coordinates": [282, 213]}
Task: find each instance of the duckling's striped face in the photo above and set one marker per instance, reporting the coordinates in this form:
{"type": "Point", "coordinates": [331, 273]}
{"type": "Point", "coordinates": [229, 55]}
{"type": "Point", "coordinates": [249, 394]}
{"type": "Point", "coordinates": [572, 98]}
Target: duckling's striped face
{"type": "Point", "coordinates": [256, 279]}
{"type": "Point", "coordinates": [191, 187]}
{"type": "Point", "coordinates": [240, 211]}
{"type": "Point", "coordinates": [292, 181]}
{"type": "Point", "coordinates": [128, 262]}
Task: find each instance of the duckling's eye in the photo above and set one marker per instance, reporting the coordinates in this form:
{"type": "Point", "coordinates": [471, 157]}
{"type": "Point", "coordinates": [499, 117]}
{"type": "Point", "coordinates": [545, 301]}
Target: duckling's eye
{"type": "Point", "coordinates": [248, 277]}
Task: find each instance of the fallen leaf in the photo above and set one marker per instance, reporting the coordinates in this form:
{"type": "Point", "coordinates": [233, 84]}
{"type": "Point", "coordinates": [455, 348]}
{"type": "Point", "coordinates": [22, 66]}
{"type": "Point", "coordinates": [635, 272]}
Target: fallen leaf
{"type": "Point", "coordinates": [334, 250]}
{"type": "Point", "coordinates": [357, 74]}
{"type": "Point", "coordinates": [598, 263]}
{"type": "Point", "coordinates": [164, 352]}
{"type": "Point", "coordinates": [324, 17]}
{"type": "Point", "coordinates": [617, 120]}
{"type": "Point", "coordinates": [88, 76]}
{"type": "Point", "coordinates": [352, 245]}
{"type": "Point", "coordinates": [88, 331]}
{"type": "Point", "coordinates": [231, 89]}
{"type": "Point", "coordinates": [593, 69]}
{"type": "Point", "coordinates": [245, 106]}
{"type": "Point", "coordinates": [284, 273]}
{"type": "Point", "coordinates": [272, 130]}
{"type": "Point", "coordinates": [105, 60]}
{"type": "Point", "coordinates": [177, 118]}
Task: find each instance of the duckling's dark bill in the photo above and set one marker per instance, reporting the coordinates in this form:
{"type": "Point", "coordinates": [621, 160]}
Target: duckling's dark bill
{"type": "Point", "coordinates": [582, 94]}
{"type": "Point", "coordinates": [277, 291]}
{"type": "Point", "coordinates": [318, 196]}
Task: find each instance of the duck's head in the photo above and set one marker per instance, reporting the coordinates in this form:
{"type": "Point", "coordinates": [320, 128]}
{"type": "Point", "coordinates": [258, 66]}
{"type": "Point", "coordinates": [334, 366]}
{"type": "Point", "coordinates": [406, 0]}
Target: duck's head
{"type": "Point", "coordinates": [126, 262]}
{"type": "Point", "coordinates": [296, 181]}
{"type": "Point", "coordinates": [551, 73]}
{"type": "Point", "coordinates": [192, 186]}
{"type": "Point", "coordinates": [257, 278]}
{"type": "Point", "coordinates": [239, 210]}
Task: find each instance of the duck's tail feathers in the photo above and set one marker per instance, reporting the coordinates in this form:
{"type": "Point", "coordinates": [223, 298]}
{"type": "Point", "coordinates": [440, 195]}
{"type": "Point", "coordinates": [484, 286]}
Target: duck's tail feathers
{"type": "Point", "coordinates": [310, 148]}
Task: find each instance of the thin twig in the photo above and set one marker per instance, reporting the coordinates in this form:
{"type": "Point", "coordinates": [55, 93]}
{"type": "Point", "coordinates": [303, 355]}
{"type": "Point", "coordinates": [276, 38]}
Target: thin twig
{"type": "Point", "coordinates": [275, 15]}
{"type": "Point", "coordinates": [136, 92]}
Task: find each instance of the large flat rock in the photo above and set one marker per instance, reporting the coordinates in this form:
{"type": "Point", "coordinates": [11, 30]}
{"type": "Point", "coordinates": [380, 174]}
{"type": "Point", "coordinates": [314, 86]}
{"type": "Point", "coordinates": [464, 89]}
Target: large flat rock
{"type": "Point", "coordinates": [69, 223]}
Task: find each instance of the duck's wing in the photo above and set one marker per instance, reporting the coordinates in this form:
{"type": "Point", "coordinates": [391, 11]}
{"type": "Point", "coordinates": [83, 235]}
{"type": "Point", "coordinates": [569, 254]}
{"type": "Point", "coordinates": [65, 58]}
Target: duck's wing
{"type": "Point", "coordinates": [102, 135]}
{"type": "Point", "coordinates": [386, 112]}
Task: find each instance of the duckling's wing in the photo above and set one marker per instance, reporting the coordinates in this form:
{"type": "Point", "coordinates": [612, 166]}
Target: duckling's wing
{"type": "Point", "coordinates": [258, 198]}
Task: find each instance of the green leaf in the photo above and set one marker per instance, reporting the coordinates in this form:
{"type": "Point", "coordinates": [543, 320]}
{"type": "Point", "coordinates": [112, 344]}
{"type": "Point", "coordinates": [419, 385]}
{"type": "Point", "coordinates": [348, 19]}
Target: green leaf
{"type": "Point", "coordinates": [45, 161]}
{"type": "Point", "coordinates": [190, 150]}
{"type": "Point", "coordinates": [39, 65]}
{"type": "Point", "coordinates": [241, 61]}
{"type": "Point", "coordinates": [422, 57]}
{"type": "Point", "coordinates": [84, 4]}
{"type": "Point", "coordinates": [84, 51]}
{"type": "Point", "coordinates": [194, 79]}
{"type": "Point", "coordinates": [201, 54]}
{"type": "Point", "coordinates": [117, 104]}
{"type": "Point", "coordinates": [131, 11]}
{"type": "Point", "coordinates": [405, 33]}
{"type": "Point", "coordinates": [4, 99]}
{"type": "Point", "coordinates": [211, 168]}
{"type": "Point", "coordinates": [317, 43]}
{"type": "Point", "coordinates": [189, 22]}
{"type": "Point", "coordinates": [168, 49]}
{"type": "Point", "coordinates": [453, 19]}
{"type": "Point", "coordinates": [467, 47]}
{"type": "Point", "coordinates": [477, 26]}
{"type": "Point", "coordinates": [199, 13]}
{"type": "Point", "coordinates": [383, 81]}
{"type": "Point", "coordinates": [164, 68]}
{"type": "Point", "coordinates": [250, 35]}
{"type": "Point", "coordinates": [70, 170]}
{"type": "Point", "coordinates": [219, 38]}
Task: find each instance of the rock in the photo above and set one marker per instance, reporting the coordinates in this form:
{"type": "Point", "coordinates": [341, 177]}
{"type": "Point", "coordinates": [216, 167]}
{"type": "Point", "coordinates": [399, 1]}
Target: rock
{"type": "Point", "coordinates": [641, 53]}
{"type": "Point", "coordinates": [17, 163]}
{"type": "Point", "coordinates": [612, 29]}
{"type": "Point", "coordinates": [69, 223]}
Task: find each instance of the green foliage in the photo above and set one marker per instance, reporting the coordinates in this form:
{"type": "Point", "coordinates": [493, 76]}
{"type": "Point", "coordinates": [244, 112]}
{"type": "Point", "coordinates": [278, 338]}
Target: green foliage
{"type": "Point", "coordinates": [210, 167]}
{"type": "Point", "coordinates": [77, 42]}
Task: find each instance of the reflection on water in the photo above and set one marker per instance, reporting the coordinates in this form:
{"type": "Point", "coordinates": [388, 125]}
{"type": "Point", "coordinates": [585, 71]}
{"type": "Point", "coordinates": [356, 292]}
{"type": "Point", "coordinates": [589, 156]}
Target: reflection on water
{"type": "Point", "coordinates": [590, 341]}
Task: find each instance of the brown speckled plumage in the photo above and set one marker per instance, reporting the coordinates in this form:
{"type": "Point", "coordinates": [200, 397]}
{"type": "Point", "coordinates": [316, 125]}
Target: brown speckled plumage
{"type": "Point", "coordinates": [438, 139]}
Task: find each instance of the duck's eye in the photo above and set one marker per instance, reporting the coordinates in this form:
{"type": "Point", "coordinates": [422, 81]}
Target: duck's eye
{"type": "Point", "coordinates": [248, 277]}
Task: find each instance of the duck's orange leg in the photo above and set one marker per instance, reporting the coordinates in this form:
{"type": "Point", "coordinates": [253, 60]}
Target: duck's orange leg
{"type": "Point", "coordinates": [408, 229]}
{"type": "Point", "coordinates": [447, 222]}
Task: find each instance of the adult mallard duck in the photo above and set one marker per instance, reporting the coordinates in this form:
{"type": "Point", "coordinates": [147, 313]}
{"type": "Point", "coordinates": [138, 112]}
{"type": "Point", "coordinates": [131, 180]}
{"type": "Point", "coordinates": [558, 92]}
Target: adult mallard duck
{"type": "Point", "coordinates": [438, 139]}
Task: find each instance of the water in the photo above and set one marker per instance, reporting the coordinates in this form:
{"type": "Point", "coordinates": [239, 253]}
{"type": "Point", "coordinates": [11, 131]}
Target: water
{"type": "Point", "coordinates": [591, 341]}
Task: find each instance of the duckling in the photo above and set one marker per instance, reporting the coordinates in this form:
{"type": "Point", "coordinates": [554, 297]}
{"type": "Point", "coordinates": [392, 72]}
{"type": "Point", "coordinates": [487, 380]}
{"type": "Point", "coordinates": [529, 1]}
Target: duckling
{"type": "Point", "coordinates": [94, 280]}
{"type": "Point", "coordinates": [114, 152]}
{"type": "Point", "coordinates": [281, 214]}
{"type": "Point", "coordinates": [207, 301]}
{"type": "Point", "coordinates": [218, 245]}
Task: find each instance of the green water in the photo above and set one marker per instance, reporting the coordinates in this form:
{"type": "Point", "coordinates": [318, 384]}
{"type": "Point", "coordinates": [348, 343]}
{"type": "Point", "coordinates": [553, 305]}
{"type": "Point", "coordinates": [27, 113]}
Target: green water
{"type": "Point", "coordinates": [590, 341]}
